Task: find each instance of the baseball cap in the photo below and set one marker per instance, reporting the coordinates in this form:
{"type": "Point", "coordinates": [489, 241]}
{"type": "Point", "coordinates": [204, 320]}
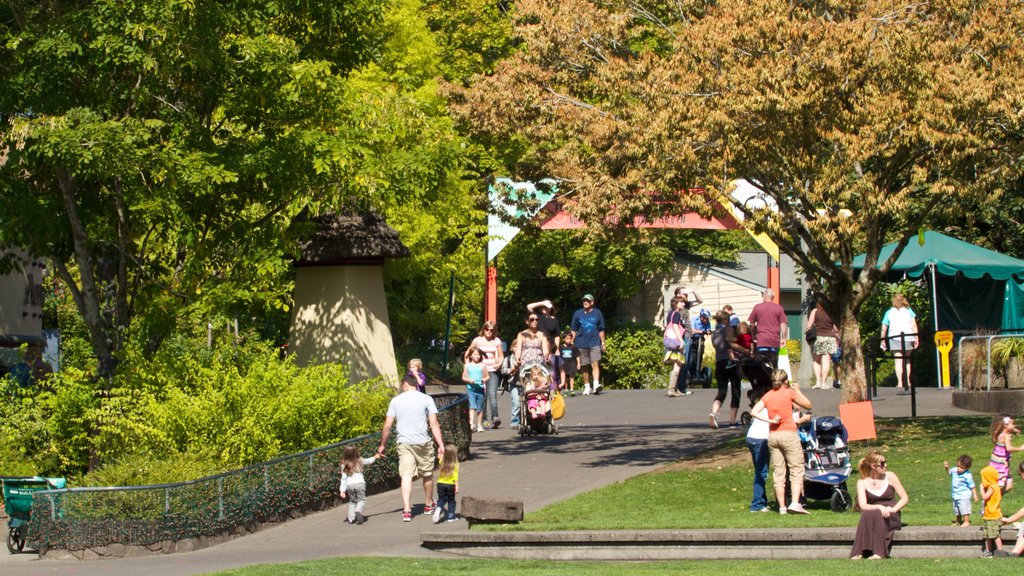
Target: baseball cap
{"type": "Point", "coordinates": [588, 297]}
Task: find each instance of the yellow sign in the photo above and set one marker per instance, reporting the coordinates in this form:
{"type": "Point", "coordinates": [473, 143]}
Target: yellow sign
{"type": "Point", "coordinates": [944, 343]}
{"type": "Point", "coordinates": [760, 237]}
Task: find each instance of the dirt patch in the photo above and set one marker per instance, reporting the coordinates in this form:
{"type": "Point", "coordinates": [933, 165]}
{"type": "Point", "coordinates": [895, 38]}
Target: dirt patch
{"type": "Point", "coordinates": [711, 460]}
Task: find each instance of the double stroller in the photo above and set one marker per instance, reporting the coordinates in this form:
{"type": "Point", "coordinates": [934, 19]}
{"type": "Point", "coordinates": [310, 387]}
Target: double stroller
{"type": "Point", "coordinates": [535, 415]}
{"type": "Point", "coordinates": [827, 461]}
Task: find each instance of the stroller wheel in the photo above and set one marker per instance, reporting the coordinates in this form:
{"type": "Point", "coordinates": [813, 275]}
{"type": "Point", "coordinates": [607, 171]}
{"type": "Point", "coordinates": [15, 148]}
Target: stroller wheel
{"type": "Point", "coordinates": [746, 418]}
{"type": "Point", "coordinates": [840, 500]}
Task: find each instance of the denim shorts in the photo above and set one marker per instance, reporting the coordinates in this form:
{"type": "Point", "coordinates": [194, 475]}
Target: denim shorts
{"type": "Point", "coordinates": [476, 398]}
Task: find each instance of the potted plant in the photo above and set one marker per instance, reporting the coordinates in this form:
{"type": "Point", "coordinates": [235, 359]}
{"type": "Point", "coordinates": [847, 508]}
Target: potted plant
{"type": "Point", "coordinates": [1006, 354]}
{"type": "Point", "coordinates": [973, 362]}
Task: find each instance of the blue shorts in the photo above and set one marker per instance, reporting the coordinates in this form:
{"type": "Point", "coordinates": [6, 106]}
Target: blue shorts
{"type": "Point", "coordinates": [476, 398]}
{"type": "Point", "coordinates": [962, 507]}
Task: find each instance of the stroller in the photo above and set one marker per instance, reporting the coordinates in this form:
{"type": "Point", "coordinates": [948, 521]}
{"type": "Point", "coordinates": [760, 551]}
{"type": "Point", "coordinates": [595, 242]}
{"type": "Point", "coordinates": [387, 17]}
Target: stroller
{"type": "Point", "coordinates": [535, 401]}
{"type": "Point", "coordinates": [828, 464]}
{"type": "Point", "coordinates": [758, 371]}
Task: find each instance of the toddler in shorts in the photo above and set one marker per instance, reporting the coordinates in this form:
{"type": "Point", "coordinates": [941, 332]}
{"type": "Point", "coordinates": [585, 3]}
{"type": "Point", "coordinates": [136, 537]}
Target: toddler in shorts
{"type": "Point", "coordinates": [962, 489]}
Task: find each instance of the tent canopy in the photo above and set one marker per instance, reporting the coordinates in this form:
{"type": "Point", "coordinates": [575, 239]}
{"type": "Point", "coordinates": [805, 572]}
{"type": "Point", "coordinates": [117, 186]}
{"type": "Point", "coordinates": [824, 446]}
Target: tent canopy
{"type": "Point", "coordinates": [950, 256]}
{"type": "Point", "coordinates": [965, 299]}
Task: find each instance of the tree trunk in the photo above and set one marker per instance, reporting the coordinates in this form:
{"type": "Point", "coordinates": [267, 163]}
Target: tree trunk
{"type": "Point", "coordinates": [853, 367]}
{"type": "Point", "coordinates": [87, 295]}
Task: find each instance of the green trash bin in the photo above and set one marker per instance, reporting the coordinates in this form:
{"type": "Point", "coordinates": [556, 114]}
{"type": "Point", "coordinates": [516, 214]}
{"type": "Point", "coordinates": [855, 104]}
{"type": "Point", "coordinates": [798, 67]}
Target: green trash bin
{"type": "Point", "coordinates": [18, 503]}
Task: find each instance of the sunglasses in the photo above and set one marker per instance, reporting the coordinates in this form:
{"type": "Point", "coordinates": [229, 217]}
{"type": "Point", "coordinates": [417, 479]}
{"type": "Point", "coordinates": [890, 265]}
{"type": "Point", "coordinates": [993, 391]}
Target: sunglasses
{"type": "Point", "coordinates": [488, 329]}
{"type": "Point", "coordinates": [531, 319]}
{"type": "Point", "coordinates": [882, 463]}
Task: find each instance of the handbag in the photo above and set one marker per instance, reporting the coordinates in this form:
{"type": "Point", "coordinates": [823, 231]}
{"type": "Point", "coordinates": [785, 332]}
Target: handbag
{"type": "Point", "coordinates": [810, 336]}
{"type": "Point", "coordinates": [557, 406]}
{"type": "Point", "coordinates": [670, 337]}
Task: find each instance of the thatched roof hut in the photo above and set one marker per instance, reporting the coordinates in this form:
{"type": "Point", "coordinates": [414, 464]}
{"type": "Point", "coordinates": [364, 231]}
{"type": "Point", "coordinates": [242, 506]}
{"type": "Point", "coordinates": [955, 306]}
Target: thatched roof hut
{"type": "Point", "coordinates": [341, 312]}
{"type": "Point", "coordinates": [348, 237]}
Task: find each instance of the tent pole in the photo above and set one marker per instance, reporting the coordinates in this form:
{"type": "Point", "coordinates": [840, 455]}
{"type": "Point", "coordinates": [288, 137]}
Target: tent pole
{"type": "Point", "coordinates": [935, 322]}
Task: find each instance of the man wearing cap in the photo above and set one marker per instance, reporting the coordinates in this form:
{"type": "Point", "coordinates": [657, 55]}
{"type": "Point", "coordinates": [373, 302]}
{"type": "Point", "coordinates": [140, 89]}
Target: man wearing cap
{"type": "Point", "coordinates": [588, 331]}
{"type": "Point", "coordinates": [701, 328]}
{"type": "Point", "coordinates": [770, 326]}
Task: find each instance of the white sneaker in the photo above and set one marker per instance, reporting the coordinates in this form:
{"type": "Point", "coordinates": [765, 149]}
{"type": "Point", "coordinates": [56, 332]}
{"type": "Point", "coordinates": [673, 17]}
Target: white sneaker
{"type": "Point", "coordinates": [586, 391]}
{"type": "Point", "coordinates": [437, 515]}
{"type": "Point", "coordinates": [597, 388]}
{"type": "Point", "coordinates": [713, 421]}
{"type": "Point", "coordinates": [796, 508]}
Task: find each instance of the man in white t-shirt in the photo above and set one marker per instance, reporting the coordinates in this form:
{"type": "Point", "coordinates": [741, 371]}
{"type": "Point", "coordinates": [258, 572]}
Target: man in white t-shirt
{"type": "Point", "coordinates": [414, 412]}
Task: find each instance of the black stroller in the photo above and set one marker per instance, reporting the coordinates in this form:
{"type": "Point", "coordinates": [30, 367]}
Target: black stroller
{"type": "Point", "coordinates": [758, 370]}
{"type": "Point", "coordinates": [827, 462]}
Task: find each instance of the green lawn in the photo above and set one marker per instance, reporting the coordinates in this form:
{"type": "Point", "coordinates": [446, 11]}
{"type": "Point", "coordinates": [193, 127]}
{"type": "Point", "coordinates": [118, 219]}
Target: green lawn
{"type": "Point", "coordinates": [713, 491]}
{"type": "Point", "coordinates": [427, 567]}
{"type": "Point", "coordinates": [718, 496]}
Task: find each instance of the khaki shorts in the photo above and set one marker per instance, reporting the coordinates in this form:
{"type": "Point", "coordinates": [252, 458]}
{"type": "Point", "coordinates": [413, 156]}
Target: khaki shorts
{"type": "Point", "coordinates": [992, 528]}
{"type": "Point", "coordinates": [416, 460]}
{"type": "Point", "coordinates": [590, 356]}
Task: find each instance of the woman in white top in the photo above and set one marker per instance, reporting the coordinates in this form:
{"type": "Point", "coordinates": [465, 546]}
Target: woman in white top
{"type": "Point", "coordinates": [489, 344]}
{"type": "Point", "coordinates": [899, 335]}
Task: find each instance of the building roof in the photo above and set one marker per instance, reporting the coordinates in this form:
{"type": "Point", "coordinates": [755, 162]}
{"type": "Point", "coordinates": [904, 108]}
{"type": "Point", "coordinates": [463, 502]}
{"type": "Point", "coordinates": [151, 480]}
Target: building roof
{"type": "Point", "coordinates": [752, 270]}
{"type": "Point", "coordinates": [347, 237]}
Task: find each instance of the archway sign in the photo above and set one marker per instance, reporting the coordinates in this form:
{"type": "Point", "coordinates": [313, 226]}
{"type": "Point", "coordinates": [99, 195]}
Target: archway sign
{"type": "Point", "coordinates": [553, 216]}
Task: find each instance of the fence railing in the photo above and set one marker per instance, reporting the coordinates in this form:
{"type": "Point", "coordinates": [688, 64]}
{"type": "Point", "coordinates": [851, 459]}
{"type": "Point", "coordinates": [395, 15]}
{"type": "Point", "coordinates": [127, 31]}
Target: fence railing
{"type": "Point", "coordinates": [988, 356]}
{"type": "Point", "coordinates": [82, 518]}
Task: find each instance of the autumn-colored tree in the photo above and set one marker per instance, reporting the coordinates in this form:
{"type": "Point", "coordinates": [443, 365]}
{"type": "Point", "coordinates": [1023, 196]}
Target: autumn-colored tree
{"type": "Point", "coordinates": [859, 121]}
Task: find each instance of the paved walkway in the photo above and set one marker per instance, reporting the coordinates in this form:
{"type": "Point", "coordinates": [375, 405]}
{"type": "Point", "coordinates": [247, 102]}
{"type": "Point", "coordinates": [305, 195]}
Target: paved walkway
{"type": "Point", "coordinates": [603, 439]}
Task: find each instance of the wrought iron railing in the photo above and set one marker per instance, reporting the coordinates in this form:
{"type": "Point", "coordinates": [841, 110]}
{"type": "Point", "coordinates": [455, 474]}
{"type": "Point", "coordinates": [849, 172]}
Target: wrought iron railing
{"type": "Point", "coordinates": [82, 518]}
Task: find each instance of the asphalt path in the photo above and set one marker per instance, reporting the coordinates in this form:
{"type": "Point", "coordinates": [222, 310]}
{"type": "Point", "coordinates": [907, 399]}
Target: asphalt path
{"type": "Point", "coordinates": [602, 439]}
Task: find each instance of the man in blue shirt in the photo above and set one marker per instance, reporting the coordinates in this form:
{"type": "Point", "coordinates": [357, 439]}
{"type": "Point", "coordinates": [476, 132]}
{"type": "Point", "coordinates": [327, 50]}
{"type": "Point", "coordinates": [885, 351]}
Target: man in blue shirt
{"type": "Point", "coordinates": [588, 331]}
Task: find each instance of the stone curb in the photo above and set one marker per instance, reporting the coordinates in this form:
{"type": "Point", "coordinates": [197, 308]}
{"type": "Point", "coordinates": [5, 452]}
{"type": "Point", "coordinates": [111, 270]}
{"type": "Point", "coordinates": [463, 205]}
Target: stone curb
{"type": "Point", "coordinates": [710, 544]}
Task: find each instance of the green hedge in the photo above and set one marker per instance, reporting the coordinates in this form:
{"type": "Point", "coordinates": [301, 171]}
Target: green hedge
{"type": "Point", "coordinates": [633, 357]}
{"type": "Point", "coordinates": [188, 411]}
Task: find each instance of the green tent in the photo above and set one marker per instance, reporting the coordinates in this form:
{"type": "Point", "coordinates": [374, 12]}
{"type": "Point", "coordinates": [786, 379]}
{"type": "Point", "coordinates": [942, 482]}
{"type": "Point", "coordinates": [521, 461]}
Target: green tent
{"type": "Point", "coordinates": [972, 287]}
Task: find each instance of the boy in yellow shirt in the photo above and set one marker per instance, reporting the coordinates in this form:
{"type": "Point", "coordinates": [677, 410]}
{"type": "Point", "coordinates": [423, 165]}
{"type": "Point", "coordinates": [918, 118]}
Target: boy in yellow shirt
{"type": "Point", "coordinates": [993, 514]}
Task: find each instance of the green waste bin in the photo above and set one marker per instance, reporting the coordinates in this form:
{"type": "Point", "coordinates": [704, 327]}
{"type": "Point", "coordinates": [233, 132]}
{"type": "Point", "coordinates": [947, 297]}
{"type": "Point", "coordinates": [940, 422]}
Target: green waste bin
{"type": "Point", "coordinates": [18, 503]}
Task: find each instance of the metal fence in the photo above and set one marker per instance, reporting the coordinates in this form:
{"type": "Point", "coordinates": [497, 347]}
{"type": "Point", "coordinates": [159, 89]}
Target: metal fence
{"type": "Point", "coordinates": [81, 518]}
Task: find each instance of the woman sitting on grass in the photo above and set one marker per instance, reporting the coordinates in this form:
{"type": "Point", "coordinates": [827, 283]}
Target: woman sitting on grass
{"type": "Point", "coordinates": [877, 492]}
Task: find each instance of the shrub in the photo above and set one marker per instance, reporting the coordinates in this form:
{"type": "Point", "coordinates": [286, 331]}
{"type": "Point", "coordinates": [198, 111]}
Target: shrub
{"type": "Point", "coordinates": [222, 408]}
{"type": "Point", "coordinates": [633, 357]}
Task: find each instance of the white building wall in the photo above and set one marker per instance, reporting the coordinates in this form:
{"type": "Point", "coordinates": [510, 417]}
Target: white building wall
{"type": "Point", "coordinates": [21, 304]}
{"type": "Point", "coordinates": [651, 304]}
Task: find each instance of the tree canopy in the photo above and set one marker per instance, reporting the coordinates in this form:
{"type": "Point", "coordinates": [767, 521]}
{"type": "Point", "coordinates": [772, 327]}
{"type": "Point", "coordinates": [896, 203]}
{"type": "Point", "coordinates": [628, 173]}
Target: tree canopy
{"type": "Point", "coordinates": [858, 122]}
{"type": "Point", "coordinates": [156, 152]}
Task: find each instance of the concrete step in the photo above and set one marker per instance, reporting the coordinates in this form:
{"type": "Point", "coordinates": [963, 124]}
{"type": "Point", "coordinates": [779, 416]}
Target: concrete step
{"type": "Point", "coordinates": [712, 543]}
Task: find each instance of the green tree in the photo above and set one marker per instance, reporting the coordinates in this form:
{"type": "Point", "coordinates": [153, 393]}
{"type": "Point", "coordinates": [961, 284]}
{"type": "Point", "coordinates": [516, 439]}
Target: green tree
{"type": "Point", "coordinates": [155, 151]}
{"type": "Point", "coordinates": [861, 122]}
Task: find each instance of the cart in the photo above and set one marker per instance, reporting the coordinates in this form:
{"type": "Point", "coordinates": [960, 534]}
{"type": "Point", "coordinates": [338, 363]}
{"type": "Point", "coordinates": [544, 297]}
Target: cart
{"type": "Point", "coordinates": [18, 503]}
